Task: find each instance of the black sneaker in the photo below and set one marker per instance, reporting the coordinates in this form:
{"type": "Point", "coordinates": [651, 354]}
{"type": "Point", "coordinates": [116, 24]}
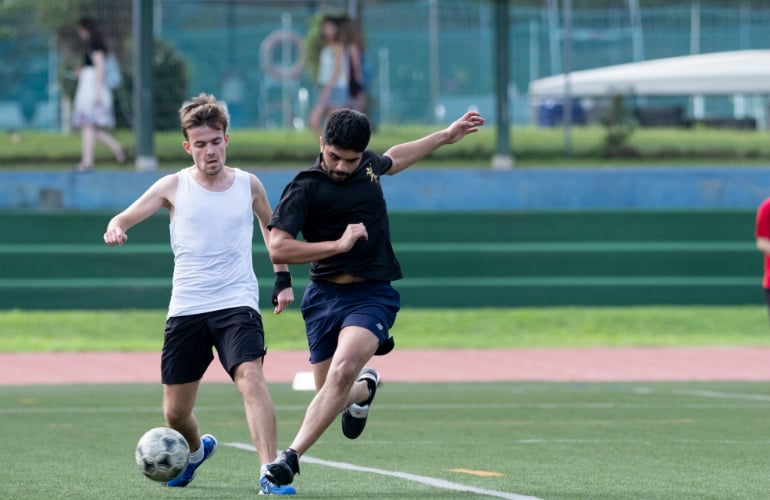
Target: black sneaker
{"type": "Point", "coordinates": [281, 471]}
{"type": "Point", "coordinates": [354, 416]}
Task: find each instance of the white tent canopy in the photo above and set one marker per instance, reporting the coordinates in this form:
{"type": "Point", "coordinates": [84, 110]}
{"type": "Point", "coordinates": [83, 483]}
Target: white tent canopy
{"type": "Point", "coordinates": [719, 73]}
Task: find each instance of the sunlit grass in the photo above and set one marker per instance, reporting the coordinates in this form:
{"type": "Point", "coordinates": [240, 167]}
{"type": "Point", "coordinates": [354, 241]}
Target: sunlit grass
{"type": "Point", "coordinates": [531, 146]}
{"type": "Point", "coordinates": [142, 330]}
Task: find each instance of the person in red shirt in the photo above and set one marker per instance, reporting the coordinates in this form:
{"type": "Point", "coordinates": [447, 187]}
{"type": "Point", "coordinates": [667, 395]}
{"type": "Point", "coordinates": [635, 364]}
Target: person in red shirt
{"type": "Point", "coordinates": [762, 234]}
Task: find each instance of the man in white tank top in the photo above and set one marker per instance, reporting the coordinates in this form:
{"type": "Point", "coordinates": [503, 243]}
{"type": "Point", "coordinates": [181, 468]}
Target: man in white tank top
{"type": "Point", "coordinates": [215, 297]}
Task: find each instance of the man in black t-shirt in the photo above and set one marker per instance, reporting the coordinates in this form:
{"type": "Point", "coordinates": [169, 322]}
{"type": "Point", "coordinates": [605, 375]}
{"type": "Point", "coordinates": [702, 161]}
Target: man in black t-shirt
{"type": "Point", "coordinates": [349, 305]}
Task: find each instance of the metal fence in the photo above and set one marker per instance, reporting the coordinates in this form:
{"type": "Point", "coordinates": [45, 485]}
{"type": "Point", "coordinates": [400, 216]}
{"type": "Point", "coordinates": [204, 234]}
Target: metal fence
{"type": "Point", "coordinates": [432, 59]}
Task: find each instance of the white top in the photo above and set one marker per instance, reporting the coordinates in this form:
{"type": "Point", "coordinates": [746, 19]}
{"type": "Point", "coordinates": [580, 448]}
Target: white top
{"type": "Point", "coordinates": [326, 68]}
{"type": "Point", "coordinates": [211, 237]}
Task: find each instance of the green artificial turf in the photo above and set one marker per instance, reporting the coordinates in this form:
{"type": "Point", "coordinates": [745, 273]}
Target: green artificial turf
{"type": "Point", "coordinates": [459, 440]}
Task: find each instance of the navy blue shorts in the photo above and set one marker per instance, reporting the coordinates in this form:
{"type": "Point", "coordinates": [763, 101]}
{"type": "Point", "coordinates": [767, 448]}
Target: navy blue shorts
{"type": "Point", "coordinates": [237, 334]}
{"type": "Point", "coordinates": [328, 308]}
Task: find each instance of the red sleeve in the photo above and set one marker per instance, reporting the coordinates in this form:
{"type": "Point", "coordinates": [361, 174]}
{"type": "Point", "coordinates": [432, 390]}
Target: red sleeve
{"type": "Point", "coordinates": [762, 229]}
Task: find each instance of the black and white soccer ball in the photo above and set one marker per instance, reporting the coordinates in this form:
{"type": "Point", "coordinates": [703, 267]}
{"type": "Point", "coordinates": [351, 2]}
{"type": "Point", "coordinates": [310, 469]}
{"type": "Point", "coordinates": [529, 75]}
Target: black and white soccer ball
{"type": "Point", "coordinates": [162, 454]}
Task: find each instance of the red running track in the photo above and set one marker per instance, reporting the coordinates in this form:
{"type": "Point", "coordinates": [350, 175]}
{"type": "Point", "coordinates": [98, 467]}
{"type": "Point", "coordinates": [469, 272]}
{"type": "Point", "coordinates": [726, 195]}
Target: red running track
{"type": "Point", "coordinates": [587, 364]}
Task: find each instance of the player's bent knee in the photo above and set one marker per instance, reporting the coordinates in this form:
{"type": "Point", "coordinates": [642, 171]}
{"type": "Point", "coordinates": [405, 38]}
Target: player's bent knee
{"type": "Point", "coordinates": [249, 371]}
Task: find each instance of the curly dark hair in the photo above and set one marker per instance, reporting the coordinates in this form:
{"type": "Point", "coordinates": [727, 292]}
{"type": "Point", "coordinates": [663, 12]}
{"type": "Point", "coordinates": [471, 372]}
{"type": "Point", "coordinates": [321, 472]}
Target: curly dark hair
{"type": "Point", "coordinates": [348, 129]}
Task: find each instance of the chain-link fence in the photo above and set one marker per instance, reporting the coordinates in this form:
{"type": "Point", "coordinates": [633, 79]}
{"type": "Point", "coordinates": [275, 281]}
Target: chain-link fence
{"type": "Point", "coordinates": [431, 59]}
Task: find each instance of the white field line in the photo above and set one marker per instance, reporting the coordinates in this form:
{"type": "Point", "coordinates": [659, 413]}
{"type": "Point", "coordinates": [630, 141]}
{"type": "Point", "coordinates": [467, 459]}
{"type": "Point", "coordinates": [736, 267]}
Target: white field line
{"type": "Point", "coordinates": [759, 401]}
{"type": "Point", "coordinates": [429, 481]}
{"type": "Point", "coordinates": [723, 395]}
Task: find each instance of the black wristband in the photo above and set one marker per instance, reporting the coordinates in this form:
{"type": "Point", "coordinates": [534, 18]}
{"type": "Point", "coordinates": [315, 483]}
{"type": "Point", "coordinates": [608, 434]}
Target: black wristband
{"type": "Point", "coordinates": [282, 282]}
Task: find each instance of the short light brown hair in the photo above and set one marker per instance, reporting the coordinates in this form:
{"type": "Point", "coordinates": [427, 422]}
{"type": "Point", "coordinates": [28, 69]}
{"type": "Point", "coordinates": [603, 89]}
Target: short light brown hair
{"type": "Point", "coordinates": [201, 111]}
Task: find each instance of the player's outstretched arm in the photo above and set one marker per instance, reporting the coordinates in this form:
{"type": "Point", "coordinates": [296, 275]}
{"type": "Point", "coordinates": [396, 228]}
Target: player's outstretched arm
{"type": "Point", "coordinates": [406, 154]}
{"type": "Point", "coordinates": [155, 198]}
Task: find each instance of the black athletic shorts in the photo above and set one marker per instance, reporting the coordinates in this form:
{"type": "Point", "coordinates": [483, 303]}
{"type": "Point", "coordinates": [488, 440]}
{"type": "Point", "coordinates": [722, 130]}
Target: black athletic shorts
{"type": "Point", "coordinates": [237, 334]}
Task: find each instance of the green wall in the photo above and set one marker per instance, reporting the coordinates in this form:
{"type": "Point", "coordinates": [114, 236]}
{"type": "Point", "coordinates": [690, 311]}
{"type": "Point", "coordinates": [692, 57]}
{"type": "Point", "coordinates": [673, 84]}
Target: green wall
{"type": "Point", "coordinates": [450, 259]}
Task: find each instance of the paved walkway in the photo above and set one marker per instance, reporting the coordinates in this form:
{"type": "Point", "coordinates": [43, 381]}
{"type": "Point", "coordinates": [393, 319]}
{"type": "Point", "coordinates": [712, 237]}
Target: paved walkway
{"type": "Point", "coordinates": [588, 364]}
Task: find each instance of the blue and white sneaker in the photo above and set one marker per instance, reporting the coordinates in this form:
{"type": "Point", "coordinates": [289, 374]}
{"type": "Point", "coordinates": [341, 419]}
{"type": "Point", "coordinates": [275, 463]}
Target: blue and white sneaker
{"type": "Point", "coordinates": [210, 445]}
{"type": "Point", "coordinates": [266, 487]}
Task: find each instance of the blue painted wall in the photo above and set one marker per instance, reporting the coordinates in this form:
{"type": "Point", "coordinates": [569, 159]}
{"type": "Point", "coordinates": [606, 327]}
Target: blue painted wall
{"type": "Point", "coordinates": [525, 189]}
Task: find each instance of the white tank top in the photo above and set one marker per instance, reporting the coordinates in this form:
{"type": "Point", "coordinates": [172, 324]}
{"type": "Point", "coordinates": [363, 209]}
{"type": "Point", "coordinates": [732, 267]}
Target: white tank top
{"type": "Point", "coordinates": [326, 68]}
{"type": "Point", "coordinates": [211, 237]}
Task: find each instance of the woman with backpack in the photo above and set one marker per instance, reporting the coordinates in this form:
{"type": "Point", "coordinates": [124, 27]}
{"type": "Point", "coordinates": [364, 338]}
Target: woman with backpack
{"type": "Point", "coordinates": [357, 77]}
{"type": "Point", "coordinates": [332, 74]}
{"type": "Point", "coordinates": [93, 110]}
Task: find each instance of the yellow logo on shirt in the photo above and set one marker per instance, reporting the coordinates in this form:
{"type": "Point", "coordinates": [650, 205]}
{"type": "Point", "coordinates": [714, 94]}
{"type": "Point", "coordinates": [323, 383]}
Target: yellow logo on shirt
{"type": "Point", "coordinates": [371, 174]}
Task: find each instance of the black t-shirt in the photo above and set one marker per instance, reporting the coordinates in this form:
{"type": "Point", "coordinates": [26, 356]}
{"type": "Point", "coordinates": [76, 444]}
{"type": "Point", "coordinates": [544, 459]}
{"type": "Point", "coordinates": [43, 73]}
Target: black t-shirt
{"type": "Point", "coordinates": [320, 208]}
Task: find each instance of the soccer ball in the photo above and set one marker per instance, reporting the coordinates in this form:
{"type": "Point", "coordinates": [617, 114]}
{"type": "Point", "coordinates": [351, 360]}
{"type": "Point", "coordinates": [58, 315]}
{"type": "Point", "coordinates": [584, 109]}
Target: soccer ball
{"type": "Point", "coordinates": [162, 454]}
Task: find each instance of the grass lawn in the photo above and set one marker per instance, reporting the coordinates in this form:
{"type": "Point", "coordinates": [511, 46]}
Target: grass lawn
{"type": "Point", "coordinates": [499, 440]}
{"type": "Point", "coordinates": [142, 330]}
{"type": "Point", "coordinates": [531, 147]}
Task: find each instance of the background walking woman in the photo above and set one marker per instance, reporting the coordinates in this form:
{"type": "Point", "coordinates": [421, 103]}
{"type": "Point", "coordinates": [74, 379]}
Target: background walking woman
{"type": "Point", "coordinates": [333, 75]}
{"type": "Point", "coordinates": [93, 110]}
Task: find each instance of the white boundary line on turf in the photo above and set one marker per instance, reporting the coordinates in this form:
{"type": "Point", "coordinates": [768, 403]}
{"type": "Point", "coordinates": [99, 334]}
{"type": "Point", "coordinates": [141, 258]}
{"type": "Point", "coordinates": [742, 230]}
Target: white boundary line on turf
{"type": "Point", "coordinates": [429, 481]}
{"type": "Point", "coordinates": [722, 395]}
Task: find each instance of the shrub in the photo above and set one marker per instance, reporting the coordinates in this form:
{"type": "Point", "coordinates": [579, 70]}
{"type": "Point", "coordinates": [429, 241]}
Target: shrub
{"type": "Point", "coordinates": [171, 88]}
